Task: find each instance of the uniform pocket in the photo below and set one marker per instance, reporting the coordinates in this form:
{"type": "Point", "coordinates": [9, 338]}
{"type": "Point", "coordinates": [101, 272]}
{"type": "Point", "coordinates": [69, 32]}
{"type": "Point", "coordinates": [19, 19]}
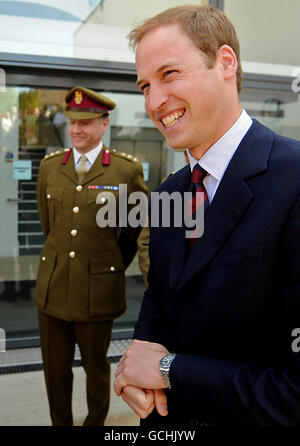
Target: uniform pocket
{"type": "Point", "coordinates": [107, 286]}
{"type": "Point", "coordinates": [54, 198]}
{"type": "Point", "coordinates": [45, 271]}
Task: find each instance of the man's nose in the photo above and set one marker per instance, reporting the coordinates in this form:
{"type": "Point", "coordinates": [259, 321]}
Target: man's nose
{"type": "Point", "coordinates": [76, 128]}
{"type": "Point", "coordinates": [156, 99]}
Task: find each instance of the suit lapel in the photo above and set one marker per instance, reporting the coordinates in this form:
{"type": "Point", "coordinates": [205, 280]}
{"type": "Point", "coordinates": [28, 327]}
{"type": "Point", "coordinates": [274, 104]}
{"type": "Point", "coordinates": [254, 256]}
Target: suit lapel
{"type": "Point", "coordinates": [178, 243]}
{"type": "Point", "coordinates": [232, 198]}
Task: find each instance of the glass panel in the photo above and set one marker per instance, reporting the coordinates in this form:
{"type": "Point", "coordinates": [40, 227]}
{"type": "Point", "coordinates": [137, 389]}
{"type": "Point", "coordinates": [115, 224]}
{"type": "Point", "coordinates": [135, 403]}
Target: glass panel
{"type": "Point", "coordinates": [268, 34]}
{"type": "Point", "coordinates": [277, 110]}
{"type": "Point", "coordinates": [32, 124]}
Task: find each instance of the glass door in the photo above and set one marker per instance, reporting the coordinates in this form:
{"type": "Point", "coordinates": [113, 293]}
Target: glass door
{"type": "Point", "coordinates": [31, 125]}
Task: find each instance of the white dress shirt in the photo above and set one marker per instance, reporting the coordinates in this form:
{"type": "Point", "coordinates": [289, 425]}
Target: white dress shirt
{"type": "Point", "coordinates": [218, 156]}
{"type": "Point", "coordinates": [90, 156]}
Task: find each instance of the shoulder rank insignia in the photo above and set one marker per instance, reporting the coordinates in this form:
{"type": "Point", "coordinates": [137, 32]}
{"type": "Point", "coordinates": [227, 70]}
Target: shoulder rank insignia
{"type": "Point", "coordinates": [106, 157]}
{"type": "Point", "coordinates": [66, 156]}
{"type": "Point", "coordinates": [52, 154]}
{"type": "Point", "coordinates": [125, 155]}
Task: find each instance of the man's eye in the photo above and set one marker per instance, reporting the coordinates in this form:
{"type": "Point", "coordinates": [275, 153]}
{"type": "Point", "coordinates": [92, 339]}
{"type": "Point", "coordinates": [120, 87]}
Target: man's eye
{"type": "Point", "coordinates": [169, 73]}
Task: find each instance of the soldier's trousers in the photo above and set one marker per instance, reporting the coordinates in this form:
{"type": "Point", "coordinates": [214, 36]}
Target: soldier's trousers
{"type": "Point", "coordinates": [58, 339]}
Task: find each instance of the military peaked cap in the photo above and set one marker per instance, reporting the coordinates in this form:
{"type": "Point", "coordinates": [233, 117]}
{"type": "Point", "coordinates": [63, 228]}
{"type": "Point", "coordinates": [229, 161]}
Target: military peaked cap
{"type": "Point", "coordinates": [83, 103]}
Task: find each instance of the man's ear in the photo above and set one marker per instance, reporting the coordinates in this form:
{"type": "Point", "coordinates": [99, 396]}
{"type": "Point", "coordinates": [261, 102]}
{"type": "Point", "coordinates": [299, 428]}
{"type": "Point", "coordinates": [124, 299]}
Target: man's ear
{"type": "Point", "coordinates": [105, 121]}
{"type": "Point", "coordinates": [228, 61]}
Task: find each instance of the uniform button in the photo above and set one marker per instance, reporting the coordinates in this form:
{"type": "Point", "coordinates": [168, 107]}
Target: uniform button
{"type": "Point", "coordinates": [43, 259]}
{"type": "Point", "coordinates": [48, 196]}
{"type": "Point", "coordinates": [72, 254]}
{"type": "Point", "coordinates": [76, 210]}
{"type": "Point", "coordinates": [74, 232]}
{"type": "Point", "coordinates": [112, 268]}
{"type": "Point", "coordinates": [79, 188]}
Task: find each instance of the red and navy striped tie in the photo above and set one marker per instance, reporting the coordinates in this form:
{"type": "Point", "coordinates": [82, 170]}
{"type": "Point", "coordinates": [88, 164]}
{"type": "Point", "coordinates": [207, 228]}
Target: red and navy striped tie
{"type": "Point", "coordinates": [198, 176]}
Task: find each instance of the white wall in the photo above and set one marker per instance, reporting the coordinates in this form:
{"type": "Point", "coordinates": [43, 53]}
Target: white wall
{"type": "Point", "coordinates": [268, 30]}
{"type": "Point", "coordinates": [103, 36]}
{"type": "Point", "coordinates": [130, 12]}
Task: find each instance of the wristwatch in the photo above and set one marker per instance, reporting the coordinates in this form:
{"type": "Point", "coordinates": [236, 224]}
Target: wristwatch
{"type": "Point", "coordinates": [164, 367]}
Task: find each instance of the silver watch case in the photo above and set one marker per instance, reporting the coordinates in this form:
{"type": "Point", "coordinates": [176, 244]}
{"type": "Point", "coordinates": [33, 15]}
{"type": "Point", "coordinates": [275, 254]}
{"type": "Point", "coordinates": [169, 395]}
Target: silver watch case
{"type": "Point", "coordinates": [164, 367]}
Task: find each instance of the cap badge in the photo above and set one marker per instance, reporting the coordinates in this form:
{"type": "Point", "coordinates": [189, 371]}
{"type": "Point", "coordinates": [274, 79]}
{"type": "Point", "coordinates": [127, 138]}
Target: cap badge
{"type": "Point", "coordinates": [78, 97]}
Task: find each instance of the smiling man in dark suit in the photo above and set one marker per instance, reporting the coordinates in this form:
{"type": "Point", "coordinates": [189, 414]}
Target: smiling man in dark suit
{"type": "Point", "coordinates": [213, 342]}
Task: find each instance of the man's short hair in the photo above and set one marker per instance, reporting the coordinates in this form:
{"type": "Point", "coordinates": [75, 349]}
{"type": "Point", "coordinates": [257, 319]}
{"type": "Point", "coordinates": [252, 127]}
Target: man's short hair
{"type": "Point", "coordinates": [206, 26]}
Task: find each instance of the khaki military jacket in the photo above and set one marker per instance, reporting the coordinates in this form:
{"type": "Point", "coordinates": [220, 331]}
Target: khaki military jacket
{"type": "Point", "coordinates": [143, 252]}
{"type": "Point", "coordinates": [81, 270]}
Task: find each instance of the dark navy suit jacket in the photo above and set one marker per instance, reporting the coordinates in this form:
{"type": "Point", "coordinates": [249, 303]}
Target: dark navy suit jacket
{"type": "Point", "coordinates": [229, 308]}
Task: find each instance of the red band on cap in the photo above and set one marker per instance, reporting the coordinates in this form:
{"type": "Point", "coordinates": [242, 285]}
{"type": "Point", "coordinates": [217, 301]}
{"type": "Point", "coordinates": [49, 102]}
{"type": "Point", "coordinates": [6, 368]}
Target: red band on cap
{"type": "Point", "coordinates": [85, 103]}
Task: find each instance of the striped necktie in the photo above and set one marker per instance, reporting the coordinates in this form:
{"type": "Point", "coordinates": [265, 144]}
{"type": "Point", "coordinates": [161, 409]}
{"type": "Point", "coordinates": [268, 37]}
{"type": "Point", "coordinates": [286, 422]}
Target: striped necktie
{"type": "Point", "coordinates": [197, 185]}
{"type": "Point", "coordinates": [82, 168]}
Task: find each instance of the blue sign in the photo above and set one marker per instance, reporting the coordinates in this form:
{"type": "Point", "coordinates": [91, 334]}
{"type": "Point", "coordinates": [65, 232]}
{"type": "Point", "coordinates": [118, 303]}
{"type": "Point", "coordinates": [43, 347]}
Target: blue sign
{"type": "Point", "coordinates": [22, 170]}
{"type": "Point", "coordinates": [146, 171]}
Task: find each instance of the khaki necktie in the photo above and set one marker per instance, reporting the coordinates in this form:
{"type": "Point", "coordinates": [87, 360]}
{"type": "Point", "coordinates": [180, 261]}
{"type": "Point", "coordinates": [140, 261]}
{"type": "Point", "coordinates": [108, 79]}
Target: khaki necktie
{"type": "Point", "coordinates": [82, 168]}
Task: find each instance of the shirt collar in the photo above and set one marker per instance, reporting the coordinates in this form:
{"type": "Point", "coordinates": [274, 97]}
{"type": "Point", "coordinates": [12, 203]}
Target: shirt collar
{"type": "Point", "coordinates": [91, 155]}
{"type": "Point", "coordinates": [217, 158]}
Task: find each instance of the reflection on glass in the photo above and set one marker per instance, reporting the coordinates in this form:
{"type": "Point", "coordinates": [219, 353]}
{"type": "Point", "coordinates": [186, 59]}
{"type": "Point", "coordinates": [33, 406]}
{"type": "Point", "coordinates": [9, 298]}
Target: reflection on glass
{"type": "Point", "coordinates": [41, 120]}
{"type": "Point", "coordinates": [31, 124]}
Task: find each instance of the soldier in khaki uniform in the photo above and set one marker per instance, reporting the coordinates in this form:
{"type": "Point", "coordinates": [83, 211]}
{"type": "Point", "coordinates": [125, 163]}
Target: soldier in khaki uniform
{"type": "Point", "coordinates": [80, 286]}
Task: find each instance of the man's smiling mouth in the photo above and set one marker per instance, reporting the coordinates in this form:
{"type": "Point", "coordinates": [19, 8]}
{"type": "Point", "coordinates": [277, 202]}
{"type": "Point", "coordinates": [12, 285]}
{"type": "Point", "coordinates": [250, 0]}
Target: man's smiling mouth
{"type": "Point", "coordinates": [170, 120]}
